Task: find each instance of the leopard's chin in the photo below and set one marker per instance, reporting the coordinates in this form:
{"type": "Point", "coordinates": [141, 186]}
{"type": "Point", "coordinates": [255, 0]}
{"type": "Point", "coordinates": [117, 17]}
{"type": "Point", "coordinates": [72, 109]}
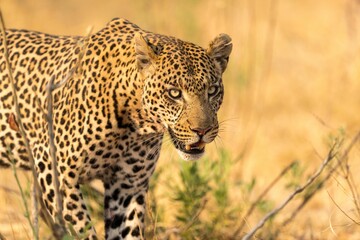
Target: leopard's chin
{"type": "Point", "coordinates": [193, 156]}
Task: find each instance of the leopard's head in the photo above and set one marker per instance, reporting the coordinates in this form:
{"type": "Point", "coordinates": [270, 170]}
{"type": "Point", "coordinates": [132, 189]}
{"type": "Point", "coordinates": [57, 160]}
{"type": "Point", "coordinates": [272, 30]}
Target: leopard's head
{"type": "Point", "coordinates": [183, 88]}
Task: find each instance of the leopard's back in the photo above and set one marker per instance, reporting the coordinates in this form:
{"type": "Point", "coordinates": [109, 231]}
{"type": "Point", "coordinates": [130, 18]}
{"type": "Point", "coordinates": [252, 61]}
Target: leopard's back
{"type": "Point", "coordinates": [34, 58]}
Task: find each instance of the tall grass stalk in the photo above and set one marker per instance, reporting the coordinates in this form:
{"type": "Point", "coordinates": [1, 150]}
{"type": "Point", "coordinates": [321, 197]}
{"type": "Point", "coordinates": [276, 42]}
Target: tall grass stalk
{"type": "Point", "coordinates": [23, 196]}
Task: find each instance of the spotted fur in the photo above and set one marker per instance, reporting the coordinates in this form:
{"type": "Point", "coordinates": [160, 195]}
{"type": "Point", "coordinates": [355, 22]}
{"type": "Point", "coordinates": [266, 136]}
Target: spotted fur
{"type": "Point", "coordinates": [129, 88]}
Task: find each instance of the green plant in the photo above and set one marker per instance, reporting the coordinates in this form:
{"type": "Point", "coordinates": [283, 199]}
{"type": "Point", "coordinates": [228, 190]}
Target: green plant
{"type": "Point", "coordinates": [203, 198]}
{"type": "Point", "coordinates": [190, 196]}
{"type": "Point", "coordinates": [155, 211]}
{"type": "Point", "coordinates": [295, 175]}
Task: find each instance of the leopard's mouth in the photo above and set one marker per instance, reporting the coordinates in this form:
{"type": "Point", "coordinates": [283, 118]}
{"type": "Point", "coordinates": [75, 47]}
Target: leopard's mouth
{"type": "Point", "coordinates": [195, 148]}
{"type": "Point", "coordinates": [188, 152]}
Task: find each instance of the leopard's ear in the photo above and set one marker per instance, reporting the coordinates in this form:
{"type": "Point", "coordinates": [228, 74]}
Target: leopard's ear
{"type": "Point", "coordinates": [145, 55]}
{"type": "Point", "coordinates": [219, 49]}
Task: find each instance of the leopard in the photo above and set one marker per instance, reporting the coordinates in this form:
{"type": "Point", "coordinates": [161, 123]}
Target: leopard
{"type": "Point", "coordinates": [128, 88]}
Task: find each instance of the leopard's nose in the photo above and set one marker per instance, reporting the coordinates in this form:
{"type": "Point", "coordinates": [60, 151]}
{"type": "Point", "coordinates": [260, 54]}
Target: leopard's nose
{"type": "Point", "coordinates": [201, 131]}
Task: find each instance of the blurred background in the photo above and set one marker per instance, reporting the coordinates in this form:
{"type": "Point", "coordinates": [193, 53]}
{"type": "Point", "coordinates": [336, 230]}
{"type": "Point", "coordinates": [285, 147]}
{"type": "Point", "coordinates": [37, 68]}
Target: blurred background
{"type": "Point", "coordinates": [291, 87]}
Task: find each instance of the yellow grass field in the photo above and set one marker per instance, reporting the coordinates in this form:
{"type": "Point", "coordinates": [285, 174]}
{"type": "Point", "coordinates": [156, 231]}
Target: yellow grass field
{"type": "Point", "coordinates": [293, 82]}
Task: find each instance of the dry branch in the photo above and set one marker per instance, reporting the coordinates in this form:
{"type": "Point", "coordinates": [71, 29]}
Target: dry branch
{"type": "Point", "coordinates": [331, 155]}
{"type": "Point", "coordinates": [55, 175]}
{"type": "Point", "coordinates": [304, 201]}
{"type": "Point", "coordinates": [260, 197]}
{"type": "Point", "coordinates": [321, 183]}
{"type": "Point", "coordinates": [49, 118]}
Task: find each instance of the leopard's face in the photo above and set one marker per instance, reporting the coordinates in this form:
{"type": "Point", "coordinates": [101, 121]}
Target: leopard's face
{"type": "Point", "coordinates": [192, 117]}
{"type": "Point", "coordinates": [184, 90]}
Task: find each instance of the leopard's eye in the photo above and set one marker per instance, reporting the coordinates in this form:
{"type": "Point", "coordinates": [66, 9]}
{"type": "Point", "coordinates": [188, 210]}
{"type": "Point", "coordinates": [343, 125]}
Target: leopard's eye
{"type": "Point", "coordinates": [213, 90]}
{"type": "Point", "coordinates": [175, 93]}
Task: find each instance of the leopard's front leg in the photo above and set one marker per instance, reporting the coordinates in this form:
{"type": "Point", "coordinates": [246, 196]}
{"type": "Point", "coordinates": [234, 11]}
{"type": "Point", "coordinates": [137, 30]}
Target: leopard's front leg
{"type": "Point", "coordinates": [76, 214]}
{"type": "Point", "coordinates": [124, 211]}
{"type": "Point", "coordinates": [74, 210]}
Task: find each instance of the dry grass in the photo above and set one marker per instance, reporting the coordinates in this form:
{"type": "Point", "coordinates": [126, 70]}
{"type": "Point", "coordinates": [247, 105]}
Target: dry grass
{"type": "Point", "coordinates": [293, 79]}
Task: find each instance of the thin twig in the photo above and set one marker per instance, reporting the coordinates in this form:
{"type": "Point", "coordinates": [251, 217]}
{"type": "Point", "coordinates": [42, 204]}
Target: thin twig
{"type": "Point", "coordinates": [347, 175]}
{"type": "Point", "coordinates": [347, 215]}
{"type": "Point", "coordinates": [35, 209]}
{"type": "Point", "coordinates": [299, 190]}
{"type": "Point", "coordinates": [354, 192]}
{"type": "Point", "coordinates": [261, 196]}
